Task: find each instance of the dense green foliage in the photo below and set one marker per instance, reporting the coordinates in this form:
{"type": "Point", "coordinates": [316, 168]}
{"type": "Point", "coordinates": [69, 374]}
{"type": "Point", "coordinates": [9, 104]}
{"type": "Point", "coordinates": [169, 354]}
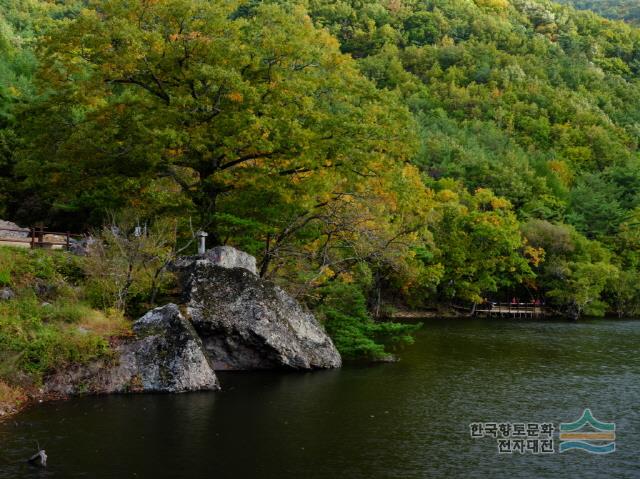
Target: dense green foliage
{"type": "Point", "coordinates": [343, 308]}
{"type": "Point", "coordinates": [535, 101]}
{"type": "Point", "coordinates": [627, 10]}
{"type": "Point", "coordinates": [369, 152]}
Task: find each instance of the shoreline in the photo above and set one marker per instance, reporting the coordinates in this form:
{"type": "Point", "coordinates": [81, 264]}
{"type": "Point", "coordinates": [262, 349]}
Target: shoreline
{"type": "Point", "coordinates": [25, 399]}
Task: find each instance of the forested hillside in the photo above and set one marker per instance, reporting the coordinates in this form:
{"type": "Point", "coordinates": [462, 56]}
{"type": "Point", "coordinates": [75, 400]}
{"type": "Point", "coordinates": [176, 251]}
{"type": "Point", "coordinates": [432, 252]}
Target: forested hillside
{"type": "Point", "coordinates": [534, 101]}
{"type": "Point", "coordinates": [371, 153]}
{"type": "Point", "coordinates": [627, 10]}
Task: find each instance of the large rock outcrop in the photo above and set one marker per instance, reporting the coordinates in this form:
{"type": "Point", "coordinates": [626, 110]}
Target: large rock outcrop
{"type": "Point", "coordinates": [237, 321]}
{"type": "Point", "coordinates": [248, 323]}
{"type": "Point", "coordinates": [166, 355]}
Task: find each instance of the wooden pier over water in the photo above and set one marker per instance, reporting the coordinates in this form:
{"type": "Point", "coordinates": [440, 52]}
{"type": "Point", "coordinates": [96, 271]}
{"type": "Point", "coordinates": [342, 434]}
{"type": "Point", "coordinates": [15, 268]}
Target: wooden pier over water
{"type": "Point", "coordinates": [510, 310]}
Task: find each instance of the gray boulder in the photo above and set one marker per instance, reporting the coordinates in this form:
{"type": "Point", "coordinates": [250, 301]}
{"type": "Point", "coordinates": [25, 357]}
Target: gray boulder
{"type": "Point", "coordinates": [81, 247]}
{"type": "Point", "coordinates": [16, 231]}
{"type": "Point", "coordinates": [248, 323]}
{"type": "Point", "coordinates": [165, 356]}
{"type": "Point", "coordinates": [6, 293]}
{"type": "Point", "coordinates": [223, 256]}
{"type": "Point", "coordinates": [229, 257]}
{"type": "Point", "coordinates": [169, 354]}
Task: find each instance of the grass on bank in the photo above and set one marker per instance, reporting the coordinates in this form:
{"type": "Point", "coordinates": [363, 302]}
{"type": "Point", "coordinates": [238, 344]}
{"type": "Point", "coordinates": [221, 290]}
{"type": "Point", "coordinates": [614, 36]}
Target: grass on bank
{"type": "Point", "coordinates": [48, 324]}
{"type": "Point", "coordinates": [11, 398]}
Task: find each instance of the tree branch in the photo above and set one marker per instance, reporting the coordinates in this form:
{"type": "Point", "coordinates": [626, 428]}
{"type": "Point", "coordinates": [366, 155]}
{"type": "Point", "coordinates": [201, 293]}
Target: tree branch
{"type": "Point", "coordinates": [132, 81]}
{"type": "Point", "coordinates": [242, 159]}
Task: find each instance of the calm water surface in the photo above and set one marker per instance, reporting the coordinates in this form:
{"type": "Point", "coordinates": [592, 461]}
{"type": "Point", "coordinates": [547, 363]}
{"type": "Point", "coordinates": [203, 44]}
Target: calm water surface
{"type": "Point", "coordinates": [404, 420]}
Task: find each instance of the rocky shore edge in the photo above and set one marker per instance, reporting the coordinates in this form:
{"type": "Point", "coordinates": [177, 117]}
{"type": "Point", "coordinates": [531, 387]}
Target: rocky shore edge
{"type": "Point", "coordinates": [227, 318]}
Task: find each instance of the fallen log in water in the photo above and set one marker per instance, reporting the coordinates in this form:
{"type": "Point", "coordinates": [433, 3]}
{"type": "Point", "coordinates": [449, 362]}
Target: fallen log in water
{"type": "Point", "coordinates": [38, 459]}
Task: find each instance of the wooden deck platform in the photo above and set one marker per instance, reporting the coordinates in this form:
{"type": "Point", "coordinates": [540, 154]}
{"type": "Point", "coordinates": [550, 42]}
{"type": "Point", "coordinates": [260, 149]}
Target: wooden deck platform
{"type": "Point", "coordinates": [510, 310]}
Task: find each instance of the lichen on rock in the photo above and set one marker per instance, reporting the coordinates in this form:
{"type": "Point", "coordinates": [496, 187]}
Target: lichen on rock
{"type": "Point", "coordinates": [246, 322]}
{"type": "Point", "coordinates": [166, 355]}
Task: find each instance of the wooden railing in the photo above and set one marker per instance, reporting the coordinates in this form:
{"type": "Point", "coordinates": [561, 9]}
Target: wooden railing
{"type": "Point", "coordinates": [35, 237]}
{"type": "Point", "coordinates": [511, 309]}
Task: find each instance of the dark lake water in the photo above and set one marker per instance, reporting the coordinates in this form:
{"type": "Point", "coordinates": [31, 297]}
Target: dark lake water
{"type": "Point", "coordinates": [403, 420]}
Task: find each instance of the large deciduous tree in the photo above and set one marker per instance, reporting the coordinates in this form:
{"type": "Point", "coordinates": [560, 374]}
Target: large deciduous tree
{"type": "Point", "coordinates": [207, 101]}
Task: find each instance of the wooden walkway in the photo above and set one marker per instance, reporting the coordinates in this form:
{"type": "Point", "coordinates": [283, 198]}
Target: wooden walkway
{"type": "Point", "coordinates": [510, 310]}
